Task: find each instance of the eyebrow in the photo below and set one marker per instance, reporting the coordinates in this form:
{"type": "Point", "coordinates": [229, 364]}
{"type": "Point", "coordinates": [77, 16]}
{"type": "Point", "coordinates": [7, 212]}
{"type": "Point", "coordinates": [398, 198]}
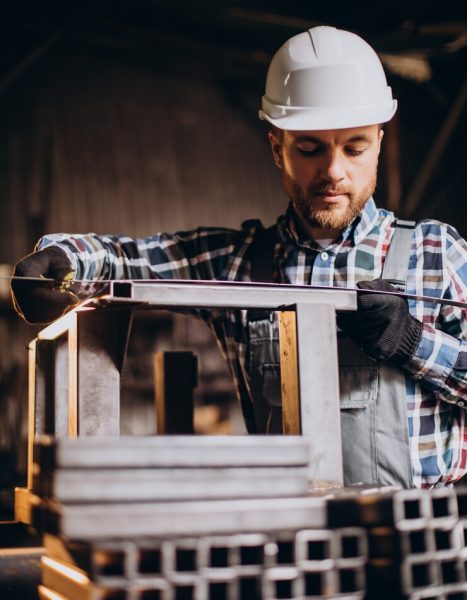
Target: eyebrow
{"type": "Point", "coordinates": [316, 140]}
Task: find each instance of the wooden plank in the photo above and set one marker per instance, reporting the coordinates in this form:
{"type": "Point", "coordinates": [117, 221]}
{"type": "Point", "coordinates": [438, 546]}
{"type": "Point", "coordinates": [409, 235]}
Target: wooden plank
{"type": "Point", "coordinates": [289, 373]}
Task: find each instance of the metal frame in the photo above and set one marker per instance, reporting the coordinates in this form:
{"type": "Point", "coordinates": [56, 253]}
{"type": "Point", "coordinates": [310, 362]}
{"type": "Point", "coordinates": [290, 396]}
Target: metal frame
{"type": "Point", "coordinates": [75, 363]}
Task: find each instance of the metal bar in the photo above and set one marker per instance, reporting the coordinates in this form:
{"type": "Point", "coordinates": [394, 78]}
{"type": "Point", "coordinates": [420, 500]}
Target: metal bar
{"type": "Point", "coordinates": [315, 549]}
{"type": "Point", "coordinates": [73, 391]}
{"type": "Point", "coordinates": [231, 295]}
{"type": "Point", "coordinates": [319, 392]}
{"type": "Point", "coordinates": [98, 289]}
{"type": "Point", "coordinates": [60, 386]}
{"type": "Point", "coordinates": [412, 509]}
{"type": "Point", "coordinates": [89, 522]}
{"type": "Point", "coordinates": [100, 345]}
{"type": "Point", "coordinates": [32, 357]}
{"type": "Point", "coordinates": [51, 387]}
{"type": "Point", "coordinates": [444, 504]}
{"type": "Point", "coordinates": [176, 451]}
{"type": "Point", "coordinates": [119, 485]}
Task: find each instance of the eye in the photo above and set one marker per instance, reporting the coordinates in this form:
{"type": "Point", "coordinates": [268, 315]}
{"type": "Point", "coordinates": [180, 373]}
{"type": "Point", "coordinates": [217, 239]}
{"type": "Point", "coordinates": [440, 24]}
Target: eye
{"type": "Point", "coordinates": [355, 151]}
{"type": "Point", "coordinates": [309, 151]}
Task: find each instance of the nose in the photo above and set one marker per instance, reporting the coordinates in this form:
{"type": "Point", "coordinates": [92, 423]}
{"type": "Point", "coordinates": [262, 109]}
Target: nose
{"type": "Point", "coordinates": [332, 168]}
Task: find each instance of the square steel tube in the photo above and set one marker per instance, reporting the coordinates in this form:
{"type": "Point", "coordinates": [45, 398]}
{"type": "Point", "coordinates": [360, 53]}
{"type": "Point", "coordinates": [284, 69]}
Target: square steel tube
{"type": "Point", "coordinates": [310, 387]}
{"type": "Point", "coordinates": [97, 341]}
{"type": "Point", "coordinates": [205, 294]}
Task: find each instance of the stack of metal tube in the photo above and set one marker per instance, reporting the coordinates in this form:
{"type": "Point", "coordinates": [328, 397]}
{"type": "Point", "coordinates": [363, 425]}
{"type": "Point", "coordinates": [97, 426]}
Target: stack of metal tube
{"type": "Point", "coordinates": [228, 518]}
{"type": "Point", "coordinates": [177, 518]}
{"type": "Point", "coordinates": [416, 540]}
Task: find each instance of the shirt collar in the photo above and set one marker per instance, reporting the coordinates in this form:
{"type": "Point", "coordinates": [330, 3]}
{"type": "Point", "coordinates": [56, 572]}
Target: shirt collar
{"type": "Point", "coordinates": [355, 232]}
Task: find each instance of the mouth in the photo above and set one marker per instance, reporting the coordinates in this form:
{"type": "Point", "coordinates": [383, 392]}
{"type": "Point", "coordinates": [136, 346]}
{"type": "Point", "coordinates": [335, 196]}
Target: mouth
{"type": "Point", "coordinates": [331, 197]}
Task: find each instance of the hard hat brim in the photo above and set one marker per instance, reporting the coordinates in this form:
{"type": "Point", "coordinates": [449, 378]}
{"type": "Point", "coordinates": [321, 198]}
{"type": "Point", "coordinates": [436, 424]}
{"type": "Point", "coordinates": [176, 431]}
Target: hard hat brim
{"type": "Point", "coordinates": [325, 118]}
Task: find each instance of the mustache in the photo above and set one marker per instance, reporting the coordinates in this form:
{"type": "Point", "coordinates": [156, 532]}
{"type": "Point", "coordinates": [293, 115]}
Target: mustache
{"type": "Point", "coordinates": [327, 188]}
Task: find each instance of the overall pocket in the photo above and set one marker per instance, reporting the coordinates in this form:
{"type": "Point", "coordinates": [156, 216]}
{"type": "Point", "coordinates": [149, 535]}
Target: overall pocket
{"type": "Point", "coordinates": [264, 371]}
{"type": "Point", "coordinates": [358, 394]}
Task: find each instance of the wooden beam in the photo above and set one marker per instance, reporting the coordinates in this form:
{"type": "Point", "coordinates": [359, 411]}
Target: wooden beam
{"type": "Point", "coordinates": [291, 421]}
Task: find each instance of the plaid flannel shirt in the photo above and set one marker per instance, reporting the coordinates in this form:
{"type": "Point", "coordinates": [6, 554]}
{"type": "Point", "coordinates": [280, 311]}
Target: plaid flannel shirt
{"type": "Point", "coordinates": [436, 376]}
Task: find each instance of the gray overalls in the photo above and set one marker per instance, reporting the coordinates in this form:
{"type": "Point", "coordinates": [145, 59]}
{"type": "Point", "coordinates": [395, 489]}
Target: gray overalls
{"type": "Point", "coordinates": [372, 395]}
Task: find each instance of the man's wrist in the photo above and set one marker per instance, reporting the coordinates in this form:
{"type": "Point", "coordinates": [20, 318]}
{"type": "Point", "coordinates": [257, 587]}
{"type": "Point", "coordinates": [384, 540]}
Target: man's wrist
{"type": "Point", "coordinates": [409, 343]}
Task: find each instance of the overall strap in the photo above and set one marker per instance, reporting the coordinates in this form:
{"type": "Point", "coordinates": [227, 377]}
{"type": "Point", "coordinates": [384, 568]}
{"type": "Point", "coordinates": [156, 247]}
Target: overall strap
{"type": "Point", "coordinates": [261, 255]}
{"type": "Point", "coordinates": [396, 264]}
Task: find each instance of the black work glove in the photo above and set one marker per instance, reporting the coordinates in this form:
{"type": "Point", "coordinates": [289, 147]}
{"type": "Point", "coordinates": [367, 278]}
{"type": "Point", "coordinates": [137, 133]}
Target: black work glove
{"type": "Point", "coordinates": [42, 302]}
{"type": "Point", "coordinates": [382, 325]}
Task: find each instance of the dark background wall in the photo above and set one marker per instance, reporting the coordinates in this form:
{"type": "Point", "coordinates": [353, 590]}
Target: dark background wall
{"type": "Point", "coordinates": [142, 116]}
{"type": "Point", "coordinates": [136, 117]}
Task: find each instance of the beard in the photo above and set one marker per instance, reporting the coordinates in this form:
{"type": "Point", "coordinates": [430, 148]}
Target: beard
{"type": "Point", "coordinates": [331, 216]}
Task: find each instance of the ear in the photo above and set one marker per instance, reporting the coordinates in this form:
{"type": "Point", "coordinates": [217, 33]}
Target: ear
{"type": "Point", "coordinates": [276, 147]}
{"type": "Point", "coordinates": [380, 138]}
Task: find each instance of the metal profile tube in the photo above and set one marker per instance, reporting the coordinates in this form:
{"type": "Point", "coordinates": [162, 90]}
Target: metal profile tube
{"type": "Point", "coordinates": [174, 451]}
{"type": "Point", "coordinates": [417, 540]}
{"type": "Point", "coordinates": [461, 497]}
{"type": "Point", "coordinates": [217, 553]}
{"type": "Point", "coordinates": [252, 552]}
{"type": "Point", "coordinates": [139, 485]}
{"type": "Point", "coordinates": [351, 579]}
{"type": "Point", "coordinates": [227, 295]}
{"type": "Point", "coordinates": [315, 550]}
{"type": "Point", "coordinates": [412, 508]}
{"type": "Point", "coordinates": [351, 544]}
{"type": "Point", "coordinates": [420, 572]}
{"type": "Point", "coordinates": [319, 583]}
{"type": "Point", "coordinates": [282, 582]}
{"type": "Point", "coordinates": [180, 557]}
{"type": "Point", "coordinates": [444, 505]}
{"type": "Point", "coordinates": [218, 588]}
{"type": "Point", "coordinates": [447, 537]}
{"type": "Point", "coordinates": [452, 571]}
{"type": "Point", "coordinates": [89, 522]}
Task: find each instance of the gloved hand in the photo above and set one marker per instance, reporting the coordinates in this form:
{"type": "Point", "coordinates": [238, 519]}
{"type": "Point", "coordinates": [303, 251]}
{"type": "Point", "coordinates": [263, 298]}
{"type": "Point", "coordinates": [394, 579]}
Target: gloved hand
{"type": "Point", "coordinates": [382, 326]}
{"type": "Point", "coordinates": [42, 302]}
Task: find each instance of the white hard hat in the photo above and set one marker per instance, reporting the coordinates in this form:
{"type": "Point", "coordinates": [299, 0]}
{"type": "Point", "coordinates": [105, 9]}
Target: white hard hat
{"type": "Point", "coordinates": [326, 78]}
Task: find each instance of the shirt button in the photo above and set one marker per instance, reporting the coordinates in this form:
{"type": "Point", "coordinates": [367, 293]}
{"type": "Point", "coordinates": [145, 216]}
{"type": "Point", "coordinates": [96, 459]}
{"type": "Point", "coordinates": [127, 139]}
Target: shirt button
{"type": "Point", "coordinates": [324, 256]}
{"type": "Point", "coordinates": [417, 376]}
{"type": "Point", "coordinates": [460, 403]}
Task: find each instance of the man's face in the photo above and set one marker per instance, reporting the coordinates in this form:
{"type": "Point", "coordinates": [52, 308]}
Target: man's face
{"type": "Point", "coordinates": [328, 175]}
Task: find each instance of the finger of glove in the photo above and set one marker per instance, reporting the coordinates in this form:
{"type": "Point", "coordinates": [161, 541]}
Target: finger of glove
{"type": "Point", "coordinates": [372, 301]}
{"type": "Point", "coordinates": [381, 304]}
{"type": "Point", "coordinates": [42, 304]}
{"type": "Point", "coordinates": [376, 284]}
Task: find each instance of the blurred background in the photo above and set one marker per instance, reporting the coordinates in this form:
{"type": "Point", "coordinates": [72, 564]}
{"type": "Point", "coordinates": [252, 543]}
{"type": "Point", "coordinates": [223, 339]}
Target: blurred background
{"type": "Point", "coordinates": [137, 117]}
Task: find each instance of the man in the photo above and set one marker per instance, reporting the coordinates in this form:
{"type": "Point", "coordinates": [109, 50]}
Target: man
{"type": "Point", "coordinates": [402, 398]}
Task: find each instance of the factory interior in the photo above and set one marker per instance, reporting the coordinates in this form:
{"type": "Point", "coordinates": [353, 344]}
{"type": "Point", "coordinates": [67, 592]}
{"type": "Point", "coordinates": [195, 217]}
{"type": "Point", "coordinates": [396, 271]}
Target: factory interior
{"type": "Point", "coordinates": [132, 118]}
